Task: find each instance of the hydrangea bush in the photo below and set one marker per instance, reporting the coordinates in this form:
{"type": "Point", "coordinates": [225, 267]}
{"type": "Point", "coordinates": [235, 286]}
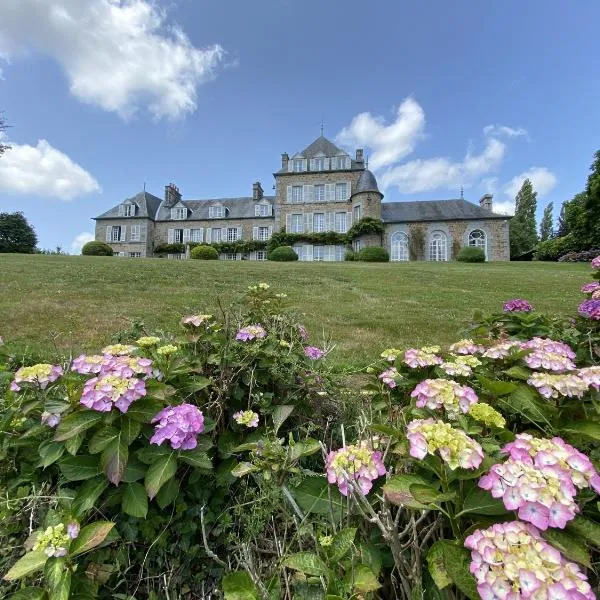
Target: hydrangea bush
{"type": "Point", "coordinates": [230, 459]}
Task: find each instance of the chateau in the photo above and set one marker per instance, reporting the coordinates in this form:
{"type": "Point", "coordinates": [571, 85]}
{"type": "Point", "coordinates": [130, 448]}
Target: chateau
{"type": "Point", "coordinates": [321, 189]}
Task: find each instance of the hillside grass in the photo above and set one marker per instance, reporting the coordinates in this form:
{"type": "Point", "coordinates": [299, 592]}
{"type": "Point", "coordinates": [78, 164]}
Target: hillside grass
{"type": "Point", "coordinates": [51, 304]}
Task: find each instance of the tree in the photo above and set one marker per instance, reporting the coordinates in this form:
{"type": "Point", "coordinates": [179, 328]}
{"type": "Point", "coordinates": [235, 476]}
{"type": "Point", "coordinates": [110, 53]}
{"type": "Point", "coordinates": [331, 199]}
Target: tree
{"type": "Point", "coordinates": [562, 228]}
{"type": "Point", "coordinates": [16, 234]}
{"type": "Point", "coordinates": [546, 226]}
{"type": "Point", "coordinates": [590, 223]}
{"type": "Point", "coordinates": [523, 230]}
{"type": "Point", "coordinates": [3, 128]}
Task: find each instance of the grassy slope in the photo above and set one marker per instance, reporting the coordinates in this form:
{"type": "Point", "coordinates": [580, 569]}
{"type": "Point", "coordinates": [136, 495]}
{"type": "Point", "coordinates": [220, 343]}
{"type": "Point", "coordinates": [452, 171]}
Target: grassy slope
{"type": "Point", "coordinates": [79, 302]}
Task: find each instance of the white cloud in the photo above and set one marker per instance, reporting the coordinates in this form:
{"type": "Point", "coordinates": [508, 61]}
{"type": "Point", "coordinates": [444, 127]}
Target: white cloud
{"type": "Point", "coordinates": [80, 240]}
{"type": "Point", "coordinates": [510, 132]}
{"type": "Point", "coordinates": [44, 171]}
{"type": "Point", "coordinates": [119, 55]}
{"type": "Point", "coordinates": [434, 173]}
{"type": "Point", "coordinates": [543, 180]}
{"type": "Point", "coordinates": [389, 142]}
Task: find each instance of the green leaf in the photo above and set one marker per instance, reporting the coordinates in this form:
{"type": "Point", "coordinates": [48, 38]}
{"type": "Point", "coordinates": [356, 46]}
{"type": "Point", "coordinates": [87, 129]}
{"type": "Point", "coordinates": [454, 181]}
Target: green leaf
{"type": "Point", "coordinates": [130, 430]}
{"type": "Point", "coordinates": [518, 373]}
{"type": "Point", "coordinates": [87, 495]}
{"type": "Point", "coordinates": [495, 387]}
{"type": "Point", "coordinates": [134, 471]}
{"type": "Point", "coordinates": [362, 580]}
{"type": "Point", "coordinates": [54, 570]}
{"type": "Point", "coordinates": [524, 401]}
{"type": "Point", "coordinates": [481, 502]}
{"type": "Point", "coordinates": [101, 439]}
{"type": "Point", "coordinates": [78, 468]}
{"type": "Point", "coordinates": [280, 414]}
{"type": "Point", "coordinates": [315, 495]}
{"type": "Point", "coordinates": [90, 536]}
{"type": "Point", "coordinates": [76, 423]}
{"type": "Point", "coordinates": [31, 562]}
{"type": "Point", "coordinates": [586, 529]}
{"type": "Point", "coordinates": [306, 562]}
{"type": "Point", "coordinates": [135, 500]}
{"type": "Point", "coordinates": [590, 429]}
{"type": "Point", "coordinates": [29, 593]}
{"type": "Point", "coordinates": [428, 495]}
{"type": "Point", "coordinates": [114, 460]}
{"type": "Point", "coordinates": [397, 490]}
{"type": "Point", "coordinates": [456, 562]}
{"type": "Point", "coordinates": [436, 567]}
{"type": "Point", "coordinates": [49, 453]}
{"type": "Point", "coordinates": [167, 493]}
{"type": "Point", "coordinates": [152, 452]}
{"type": "Point", "coordinates": [342, 543]}
{"type": "Point", "coordinates": [304, 448]}
{"type": "Point", "coordinates": [568, 545]}
{"type": "Point", "coordinates": [239, 586]}
{"type": "Point", "coordinates": [73, 444]}
{"type": "Point", "coordinates": [159, 473]}
{"type": "Point", "coordinates": [196, 458]}
{"type": "Point", "coordinates": [243, 468]}
{"type": "Point", "coordinates": [63, 588]}
{"type": "Point", "coordinates": [144, 410]}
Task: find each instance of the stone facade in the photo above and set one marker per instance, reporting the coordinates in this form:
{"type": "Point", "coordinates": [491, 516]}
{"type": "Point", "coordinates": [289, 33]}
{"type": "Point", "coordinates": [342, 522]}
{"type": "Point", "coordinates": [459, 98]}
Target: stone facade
{"type": "Point", "coordinates": [317, 190]}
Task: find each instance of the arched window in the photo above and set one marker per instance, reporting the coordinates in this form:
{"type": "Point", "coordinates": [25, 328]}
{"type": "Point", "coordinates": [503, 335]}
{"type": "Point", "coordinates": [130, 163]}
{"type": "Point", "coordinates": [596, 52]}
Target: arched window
{"type": "Point", "coordinates": [478, 239]}
{"type": "Point", "coordinates": [438, 246]}
{"type": "Point", "coordinates": [399, 246]}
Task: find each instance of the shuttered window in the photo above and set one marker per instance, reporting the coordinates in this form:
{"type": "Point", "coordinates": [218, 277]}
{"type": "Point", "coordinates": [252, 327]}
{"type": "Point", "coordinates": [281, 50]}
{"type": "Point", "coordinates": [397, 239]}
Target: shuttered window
{"type": "Point", "coordinates": [216, 235]}
{"type": "Point", "coordinates": [135, 233]}
{"type": "Point", "coordinates": [318, 253]}
{"type": "Point", "coordinates": [356, 213]}
{"type": "Point", "coordinates": [297, 194]}
{"type": "Point", "coordinates": [115, 233]}
{"type": "Point", "coordinates": [216, 212]}
{"type": "Point", "coordinates": [233, 234]}
{"type": "Point", "coordinates": [341, 222]}
{"type": "Point", "coordinates": [298, 164]}
{"type": "Point", "coordinates": [197, 235]}
{"type": "Point", "coordinates": [319, 192]}
{"type": "Point", "coordinates": [178, 236]}
{"type": "Point", "coordinates": [341, 191]}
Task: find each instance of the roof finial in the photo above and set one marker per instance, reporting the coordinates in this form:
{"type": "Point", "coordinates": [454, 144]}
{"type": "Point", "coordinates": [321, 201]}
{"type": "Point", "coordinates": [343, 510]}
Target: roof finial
{"type": "Point", "coordinates": [462, 193]}
{"type": "Point", "coordinates": [144, 186]}
{"type": "Point", "coordinates": [367, 162]}
{"type": "Point", "coordinates": [321, 127]}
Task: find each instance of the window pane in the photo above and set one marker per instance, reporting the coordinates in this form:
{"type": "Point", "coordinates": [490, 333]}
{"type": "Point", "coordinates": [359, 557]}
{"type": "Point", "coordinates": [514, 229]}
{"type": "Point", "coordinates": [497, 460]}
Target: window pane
{"type": "Point", "coordinates": [318, 222]}
{"type": "Point", "coordinates": [340, 222]}
{"type": "Point", "coordinates": [318, 253]}
{"type": "Point", "coordinates": [340, 191]}
{"type": "Point", "coordinates": [319, 193]}
{"type": "Point", "coordinates": [216, 235]}
{"type": "Point", "coordinates": [297, 193]}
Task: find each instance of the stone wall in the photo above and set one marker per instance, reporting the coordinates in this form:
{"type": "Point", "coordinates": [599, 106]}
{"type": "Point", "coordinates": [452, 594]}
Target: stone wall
{"type": "Point", "coordinates": [143, 246]}
{"type": "Point", "coordinates": [370, 204]}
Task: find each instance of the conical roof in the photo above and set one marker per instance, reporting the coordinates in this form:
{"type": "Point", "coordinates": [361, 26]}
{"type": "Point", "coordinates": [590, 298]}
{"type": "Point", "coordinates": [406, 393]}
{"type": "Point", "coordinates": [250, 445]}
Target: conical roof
{"type": "Point", "coordinates": [366, 182]}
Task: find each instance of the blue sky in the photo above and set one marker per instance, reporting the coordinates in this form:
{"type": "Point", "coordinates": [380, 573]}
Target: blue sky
{"type": "Point", "coordinates": [104, 95]}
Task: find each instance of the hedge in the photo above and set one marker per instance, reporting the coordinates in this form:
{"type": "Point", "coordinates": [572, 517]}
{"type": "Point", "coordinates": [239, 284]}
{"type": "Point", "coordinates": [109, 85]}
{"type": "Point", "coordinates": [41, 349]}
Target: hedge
{"type": "Point", "coordinates": [283, 254]}
{"type": "Point", "coordinates": [96, 249]}
{"type": "Point", "coordinates": [471, 254]}
{"type": "Point", "coordinates": [373, 254]}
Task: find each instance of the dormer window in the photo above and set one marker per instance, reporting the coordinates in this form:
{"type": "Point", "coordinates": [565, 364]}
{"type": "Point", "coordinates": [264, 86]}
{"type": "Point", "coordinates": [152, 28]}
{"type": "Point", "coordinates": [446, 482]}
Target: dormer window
{"type": "Point", "coordinates": [298, 165]}
{"type": "Point", "coordinates": [320, 164]}
{"type": "Point", "coordinates": [216, 212]}
{"type": "Point", "coordinates": [340, 162]}
{"type": "Point", "coordinates": [179, 213]}
{"type": "Point", "coordinates": [127, 210]}
{"type": "Point", "coordinates": [263, 210]}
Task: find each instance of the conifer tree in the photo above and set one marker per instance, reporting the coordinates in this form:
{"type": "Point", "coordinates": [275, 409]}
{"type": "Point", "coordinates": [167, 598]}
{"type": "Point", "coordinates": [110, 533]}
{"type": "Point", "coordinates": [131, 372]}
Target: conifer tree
{"type": "Point", "coordinates": [546, 226]}
{"type": "Point", "coordinates": [523, 229]}
{"type": "Point", "coordinates": [590, 223]}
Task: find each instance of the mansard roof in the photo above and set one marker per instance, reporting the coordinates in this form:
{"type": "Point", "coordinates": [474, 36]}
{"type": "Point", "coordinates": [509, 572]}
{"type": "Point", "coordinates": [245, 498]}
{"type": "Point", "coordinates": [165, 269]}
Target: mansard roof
{"type": "Point", "coordinates": [147, 206]}
{"type": "Point", "coordinates": [238, 208]}
{"type": "Point", "coordinates": [435, 210]}
{"type": "Point", "coordinates": [322, 146]}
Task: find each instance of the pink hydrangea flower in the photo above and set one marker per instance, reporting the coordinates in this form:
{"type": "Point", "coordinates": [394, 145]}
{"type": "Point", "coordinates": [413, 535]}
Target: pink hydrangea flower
{"type": "Point", "coordinates": [591, 376]}
{"type": "Point", "coordinates": [517, 305]}
{"type": "Point", "coordinates": [355, 464]}
{"type": "Point", "coordinates": [512, 561]}
{"type": "Point", "coordinates": [39, 375]}
{"type": "Point", "coordinates": [552, 361]}
{"type": "Point", "coordinates": [302, 332]}
{"type": "Point", "coordinates": [50, 419]}
{"type": "Point", "coordinates": [466, 347]}
{"type": "Point", "coordinates": [178, 424]}
{"type": "Point", "coordinates": [501, 349]}
{"type": "Point", "coordinates": [552, 386]}
{"type": "Point", "coordinates": [251, 332]}
{"type": "Point", "coordinates": [313, 352]}
{"type": "Point", "coordinates": [128, 366]}
{"type": "Point", "coordinates": [590, 309]}
{"type": "Point", "coordinates": [588, 288]}
{"type": "Point", "coordinates": [87, 364]}
{"type": "Point", "coordinates": [456, 448]}
{"type": "Point", "coordinates": [102, 393]}
{"type": "Point", "coordinates": [446, 394]}
{"type": "Point", "coordinates": [390, 377]}
{"type": "Point", "coordinates": [456, 369]}
{"type": "Point", "coordinates": [195, 320]}
{"type": "Point", "coordinates": [596, 263]}
{"type": "Point", "coordinates": [417, 358]}
{"type": "Point", "coordinates": [548, 345]}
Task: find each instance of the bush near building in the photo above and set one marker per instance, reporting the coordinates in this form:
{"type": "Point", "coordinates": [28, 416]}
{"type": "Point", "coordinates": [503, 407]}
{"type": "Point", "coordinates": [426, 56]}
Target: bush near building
{"type": "Point", "coordinates": [204, 253]}
{"type": "Point", "coordinates": [282, 254]}
{"type": "Point", "coordinates": [373, 254]}
{"type": "Point", "coordinates": [96, 249]}
{"type": "Point", "coordinates": [471, 254]}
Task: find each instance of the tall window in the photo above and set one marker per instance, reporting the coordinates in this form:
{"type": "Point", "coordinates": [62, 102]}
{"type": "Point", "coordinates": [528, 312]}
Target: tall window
{"type": "Point", "coordinates": [356, 245]}
{"type": "Point", "coordinates": [320, 192]}
{"type": "Point", "coordinates": [136, 233]}
{"type": "Point", "coordinates": [399, 247]}
{"type": "Point", "coordinates": [340, 252]}
{"type": "Point", "coordinates": [318, 222]}
{"type": "Point", "coordinates": [232, 234]}
{"type": "Point", "coordinates": [298, 165]}
{"type": "Point", "coordinates": [341, 222]}
{"type": "Point", "coordinates": [179, 213]}
{"type": "Point", "coordinates": [356, 213]}
{"type": "Point", "coordinates": [319, 164]}
{"type": "Point", "coordinates": [129, 210]}
{"type": "Point", "coordinates": [230, 256]}
{"type": "Point", "coordinates": [215, 235]}
{"type": "Point", "coordinates": [115, 233]}
{"type": "Point", "coordinates": [297, 193]}
{"type": "Point", "coordinates": [262, 210]}
{"type": "Point", "coordinates": [478, 239]}
{"type": "Point", "coordinates": [438, 246]}
{"type": "Point", "coordinates": [261, 255]}
{"type": "Point", "coordinates": [263, 233]}
{"type": "Point", "coordinates": [297, 223]}
{"type": "Point", "coordinates": [318, 253]}
{"type": "Point", "coordinates": [341, 191]}
{"type": "Point", "coordinates": [196, 235]}
{"type": "Point", "coordinates": [178, 236]}
{"type": "Point", "coordinates": [216, 212]}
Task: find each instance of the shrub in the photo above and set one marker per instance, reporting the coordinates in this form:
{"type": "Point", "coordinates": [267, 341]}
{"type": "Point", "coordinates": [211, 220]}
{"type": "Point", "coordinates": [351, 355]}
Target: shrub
{"type": "Point", "coordinates": [204, 253]}
{"type": "Point", "coordinates": [283, 254]}
{"type": "Point", "coordinates": [554, 248]}
{"type": "Point", "coordinates": [96, 249]}
{"type": "Point", "coordinates": [471, 254]}
{"type": "Point", "coordinates": [350, 255]}
{"type": "Point", "coordinates": [169, 249]}
{"type": "Point", "coordinates": [373, 254]}
{"type": "Point", "coordinates": [584, 256]}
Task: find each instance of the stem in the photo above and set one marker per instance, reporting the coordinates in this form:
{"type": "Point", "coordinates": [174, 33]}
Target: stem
{"type": "Point", "coordinates": [450, 513]}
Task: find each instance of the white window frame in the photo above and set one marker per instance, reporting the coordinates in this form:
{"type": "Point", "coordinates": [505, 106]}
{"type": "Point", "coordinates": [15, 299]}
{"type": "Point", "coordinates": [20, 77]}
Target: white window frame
{"type": "Point", "coordinates": [319, 163]}
{"type": "Point", "coordinates": [261, 255]}
{"type": "Point", "coordinates": [298, 165]}
{"type": "Point", "coordinates": [215, 235]}
{"type": "Point", "coordinates": [356, 245]}
{"type": "Point", "coordinates": [216, 212]}
{"type": "Point", "coordinates": [262, 210]}
{"type": "Point", "coordinates": [135, 255]}
{"type": "Point", "coordinates": [263, 233]}
{"type": "Point", "coordinates": [135, 234]}
{"type": "Point", "coordinates": [232, 234]}
{"type": "Point", "coordinates": [299, 225]}
{"type": "Point", "coordinates": [356, 213]}
{"type": "Point", "coordinates": [230, 256]}
{"type": "Point", "coordinates": [179, 213]}
{"type": "Point", "coordinates": [178, 233]}
{"type": "Point", "coordinates": [343, 216]}
{"type": "Point", "coordinates": [399, 251]}
{"type": "Point", "coordinates": [297, 194]}
{"type": "Point", "coordinates": [318, 253]}
{"type": "Point", "coordinates": [478, 241]}
{"type": "Point", "coordinates": [118, 230]}
{"type": "Point", "coordinates": [129, 210]}
{"type": "Point", "coordinates": [319, 192]}
{"type": "Point", "coordinates": [197, 235]}
{"type": "Point", "coordinates": [340, 252]}
{"type": "Point", "coordinates": [339, 195]}
{"type": "Point", "coordinates": [318, 222]}
{"type": "Point", "coordinates": [438, 246]}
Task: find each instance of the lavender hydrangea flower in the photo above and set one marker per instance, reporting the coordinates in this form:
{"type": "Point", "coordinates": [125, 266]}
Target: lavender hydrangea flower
{"type": "Point", "coordinates": [596, 263]}
{"type": "Point", "coordinates": [102, 393]}
{"type": "Point", "coordinates": [39, 375]}
{"type": "Point", "coordinates": [390, 377]}
{"type": "Point", "coordinates": [590, 309]}
{"type": "Point", "coordinates": [517, 305]}
{"type": "Point", "coordinates": [50, 419]}
{"type": "Point", "coordinates": [313, 352]}
{"type": "Point", "coordinates": [302, 332]}
{"type": "Point", "coordinates": [73, 529]}
{"type": "Point", "coordinates": [251, 332]}
{"type": "Point", "coordinates": [588, 288]}
{"type": "Point", "coordinates": [357, 463]}
{"type": "Point", "coordinates": [549, 354]}
{"type": "Point", "coordinates": [93, 363]}
{"type": "Point", "coordinates": [180, 425]}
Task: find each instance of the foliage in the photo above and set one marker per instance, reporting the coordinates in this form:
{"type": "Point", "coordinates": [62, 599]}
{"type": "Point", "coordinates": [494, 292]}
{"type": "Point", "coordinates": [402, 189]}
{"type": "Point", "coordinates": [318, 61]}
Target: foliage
{"type": "Point", "coordinates": [16, 234]}
{"type": "Point", "coordinates": [584, 256]}
{"type": "Point", "coordinates": [547, 224]}
{"type": "Point", "coordinates": [471, 254]}
{"type": "Point", "coordinates": [204, 253]}
{"type": "Point", "coordinates": [349, 255]}
{"type": "Point", "coordinates": [554, 248]}
{"type": "Point", "coordinates": [325, 238]}
{"type": "Point", "coordinates": [282, 254]}
{"type": "Point", "coordinates": [95, 248]}
{"type": "Point", "coordinates": [523, 234]}
{"type": "Point", "coordinates": [238, 247]}
{"type": "Point", "coordinates": [365, 226]}
{"type": "Point", "coordinates": [416, 247]}
{"type": "Point", "coordinates": [590, 225]}
{"type": "Point", "coordinates": [58, 251]}
{"type": "Point", "coordinates": [3, 128]}
{"type": "Point", "coordinates": [373, 254]}
{"type": "Point", "coordinates": [169, 249]}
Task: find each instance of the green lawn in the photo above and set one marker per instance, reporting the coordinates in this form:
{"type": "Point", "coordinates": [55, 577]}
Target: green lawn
{"type": "Point", "coordinates": [78, 302]}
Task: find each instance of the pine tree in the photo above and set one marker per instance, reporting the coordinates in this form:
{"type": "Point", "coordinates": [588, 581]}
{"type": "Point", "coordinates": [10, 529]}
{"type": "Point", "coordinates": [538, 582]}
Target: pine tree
{"type": "Point", "coordinates": [590, 226]}
{"type": "Point", "coordinates": [563, 227]}
{"type": "Point", "coordinates": [546, 226]}
{"type": "Point", "coordinates": [523, 229]}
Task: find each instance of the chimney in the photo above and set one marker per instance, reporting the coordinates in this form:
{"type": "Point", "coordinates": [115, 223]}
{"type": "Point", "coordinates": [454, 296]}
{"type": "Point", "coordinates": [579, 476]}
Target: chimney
{"type": "Point", "coordinates": [486, 202]}
{"type": "Point", "coordinates": [359, 155]}
{"type": "Point", "coordinates": [172, 195]}
{"type": "Point", "coordinates": [285, 159]}
{"type": "Point", "coordinates": [257, 191]}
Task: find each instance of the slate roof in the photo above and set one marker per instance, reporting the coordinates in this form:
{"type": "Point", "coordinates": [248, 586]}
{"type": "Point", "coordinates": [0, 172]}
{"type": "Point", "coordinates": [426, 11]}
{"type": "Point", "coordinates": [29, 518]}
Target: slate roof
{"type": "Point", "coordinates": [435, 210]}
{"type": "Point", "coordinates": [321, 145]}
{"type": "Point", "coordinates": [239, 208]}
{"type": "Point", "coordinates": [366, 182]}
{"type": "Point", "coordinates": [147, 207]}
